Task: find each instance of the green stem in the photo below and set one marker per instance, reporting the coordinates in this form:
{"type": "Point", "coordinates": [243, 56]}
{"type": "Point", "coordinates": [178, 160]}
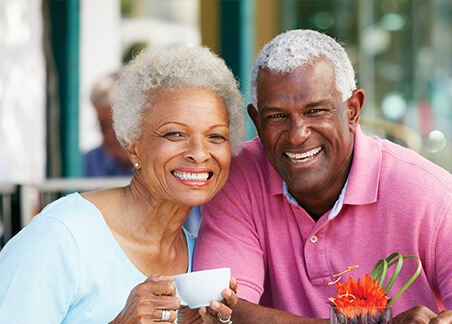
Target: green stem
{"type": "Point", "coordinates": [396, 273]}
{"type": "Point", "coordinates": [380, 270]}
{"type": "Point", "coordinates": [410, 281]}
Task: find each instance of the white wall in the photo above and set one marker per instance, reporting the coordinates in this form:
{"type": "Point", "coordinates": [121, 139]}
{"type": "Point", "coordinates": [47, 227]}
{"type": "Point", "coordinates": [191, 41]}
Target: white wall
{"type": "Point", "coordinates": [100, 54]}
{"type": "Point", "coordinates": [103, 38]}
{"type": "Point", "coordinates": [22, 92]}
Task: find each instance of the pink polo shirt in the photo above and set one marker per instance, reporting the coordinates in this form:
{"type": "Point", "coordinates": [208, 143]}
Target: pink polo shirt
{"type": "Point", "coordinates": [395, 201]}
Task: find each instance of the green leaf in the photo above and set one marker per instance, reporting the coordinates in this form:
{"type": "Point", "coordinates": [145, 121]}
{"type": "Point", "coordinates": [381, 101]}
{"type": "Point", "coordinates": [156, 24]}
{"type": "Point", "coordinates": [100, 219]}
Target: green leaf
{"type": "Point", "coordinates": [380, 271]}
{"type": "Point", "coordinates": [396, 273]}
{"type": "Point", "coordinates": [410, 281]}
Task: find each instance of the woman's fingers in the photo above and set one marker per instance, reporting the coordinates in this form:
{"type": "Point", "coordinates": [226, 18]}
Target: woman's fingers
{"type": "Point", "coordinates": [206, 316]}
{"type": "Point", "coordinates": [221, 312]}
{"type": "Point", "coordinates": [158, 290]}
{"type": "Point", "coordinates": [153, 300]}
{"type": "Point", "coordinates": [230, 297]}
{"type": "Point", "coordinates": [160, 285]}
{"type": "Point", "coordinates": [166, 315]}
{"type": "Point", "coordinates": [233, 284]}
{"type": "Point", "coordinates": [216, 313]}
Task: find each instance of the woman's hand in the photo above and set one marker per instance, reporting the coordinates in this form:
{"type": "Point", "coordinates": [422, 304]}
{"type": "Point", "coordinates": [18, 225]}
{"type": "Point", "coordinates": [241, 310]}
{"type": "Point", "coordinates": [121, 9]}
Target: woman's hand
{"type": "Point", "coordinates": [154, 300]}
{"type": "Point", "coordinates": [221, 312]}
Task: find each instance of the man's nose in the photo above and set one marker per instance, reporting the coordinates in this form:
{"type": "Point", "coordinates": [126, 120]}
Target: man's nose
{"type": "Point", "coordinates": [298, 130]}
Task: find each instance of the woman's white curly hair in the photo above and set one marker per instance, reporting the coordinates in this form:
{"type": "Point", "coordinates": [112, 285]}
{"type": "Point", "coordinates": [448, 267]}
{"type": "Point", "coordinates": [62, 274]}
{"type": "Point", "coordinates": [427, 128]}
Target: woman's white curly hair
{"type": "Point", "coordinates": [294, 48]}
{"type": "Point", "coordinates": [175, 68]}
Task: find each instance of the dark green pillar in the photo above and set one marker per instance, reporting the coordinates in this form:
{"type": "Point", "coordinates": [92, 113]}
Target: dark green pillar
{"type": "Point", "coordinates": [65, 33]}
{"type": "Point", "coordinates": [237, 43]}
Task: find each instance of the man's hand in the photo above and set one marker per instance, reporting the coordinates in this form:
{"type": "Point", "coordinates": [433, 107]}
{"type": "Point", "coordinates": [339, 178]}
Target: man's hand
{"type": "Point", "coordinates": [250, 313]}
{"type": "Point", "coordinates": [420, 315]}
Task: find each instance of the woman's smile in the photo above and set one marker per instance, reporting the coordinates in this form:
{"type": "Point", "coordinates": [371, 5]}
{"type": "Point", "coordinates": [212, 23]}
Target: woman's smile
{"type": "Point", "coordinates": [193, 178]}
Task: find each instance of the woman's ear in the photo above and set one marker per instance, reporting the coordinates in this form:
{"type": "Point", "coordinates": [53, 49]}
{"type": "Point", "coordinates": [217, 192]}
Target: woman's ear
{"type": "Point", "coordinates": [354, 105]}
{"type": "Point", "coordinates": [132, 153]}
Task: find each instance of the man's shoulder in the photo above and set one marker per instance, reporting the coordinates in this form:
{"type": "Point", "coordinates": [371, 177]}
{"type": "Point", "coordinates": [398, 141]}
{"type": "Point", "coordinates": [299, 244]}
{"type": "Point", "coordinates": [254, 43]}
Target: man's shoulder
{"type": "Point", "coordinates": [412, 165]}
{"type": "Point", "coordinates": [397, 162]}
{"type": "Point", "coordinates": [250, 161]}
{"type": "Point", "coordinates": [251, 169]}
{"type": "Point", "coordinates": [252, 151]}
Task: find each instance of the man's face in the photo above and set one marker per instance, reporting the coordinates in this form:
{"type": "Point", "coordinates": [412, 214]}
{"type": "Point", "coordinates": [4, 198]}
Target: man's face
{"type": "Point", "coordinates": [306, 129]}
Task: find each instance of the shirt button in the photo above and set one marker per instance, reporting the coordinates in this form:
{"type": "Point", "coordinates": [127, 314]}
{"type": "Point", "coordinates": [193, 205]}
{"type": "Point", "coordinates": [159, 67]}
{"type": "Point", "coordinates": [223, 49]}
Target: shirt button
{"type": "Point", "coordinates": [314, 239]}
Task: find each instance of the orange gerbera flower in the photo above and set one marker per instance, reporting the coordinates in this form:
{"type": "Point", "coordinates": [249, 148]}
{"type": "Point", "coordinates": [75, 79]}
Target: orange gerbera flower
{"type": "Point", "coordinates": [359, 300]}
{"type": "Point", "coordinates": [366, 294]}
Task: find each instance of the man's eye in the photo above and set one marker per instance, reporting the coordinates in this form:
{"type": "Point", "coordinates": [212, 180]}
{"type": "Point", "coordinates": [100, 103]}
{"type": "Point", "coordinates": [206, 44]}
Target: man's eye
{"type": "Point", "coordinates": [315, 111]}
{"type": "Point", "coordinates": [277, 116]}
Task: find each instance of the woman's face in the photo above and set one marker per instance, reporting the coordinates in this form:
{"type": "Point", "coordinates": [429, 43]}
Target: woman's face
{"type": "Point", "coordinates": [184, 151]}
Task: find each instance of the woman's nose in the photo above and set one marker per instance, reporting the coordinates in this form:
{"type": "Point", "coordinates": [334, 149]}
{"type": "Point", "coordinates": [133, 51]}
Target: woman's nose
{"type": "Point", "coordinates": [197, 150]}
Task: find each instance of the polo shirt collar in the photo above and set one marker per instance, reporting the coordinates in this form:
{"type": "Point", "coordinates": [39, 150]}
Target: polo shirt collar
{"type": "Point", "coordinates": [364, 174]}
{"type": "Point", "coordinates": [361, 187]}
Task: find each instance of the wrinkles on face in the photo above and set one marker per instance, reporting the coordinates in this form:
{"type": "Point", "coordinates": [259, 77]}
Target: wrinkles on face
{"type": "Point", "coordinates": [306, 131]}
{"type": "Point", "coordinates": [185, 150]}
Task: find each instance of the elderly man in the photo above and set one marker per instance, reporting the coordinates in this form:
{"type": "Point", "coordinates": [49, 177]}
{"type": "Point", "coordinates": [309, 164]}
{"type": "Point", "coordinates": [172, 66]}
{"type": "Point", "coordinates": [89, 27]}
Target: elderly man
{"type": "Point", "coordinates": [313, 195]}
{"type": "Point", "coordinates": [108, 159]}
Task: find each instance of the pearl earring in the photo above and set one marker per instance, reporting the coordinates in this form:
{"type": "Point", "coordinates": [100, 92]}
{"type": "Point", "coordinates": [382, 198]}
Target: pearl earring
{"type": "Point", "coordinates": [136, 164]}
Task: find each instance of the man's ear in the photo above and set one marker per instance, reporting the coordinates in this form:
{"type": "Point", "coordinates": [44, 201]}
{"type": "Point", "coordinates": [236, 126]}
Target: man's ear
{"type": "Point", "coordinates": [354, 105]}
{"type": "Point", "coordinates": [254, 115]}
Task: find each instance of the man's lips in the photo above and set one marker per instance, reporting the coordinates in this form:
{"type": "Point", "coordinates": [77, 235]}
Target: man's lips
{"type": "Point", "coordinates": [305, 156]}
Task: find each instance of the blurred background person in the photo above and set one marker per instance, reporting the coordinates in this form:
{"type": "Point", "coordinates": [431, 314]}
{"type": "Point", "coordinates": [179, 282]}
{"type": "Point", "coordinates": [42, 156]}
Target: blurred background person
{"type": "Point", "coordinates": [108, 159]}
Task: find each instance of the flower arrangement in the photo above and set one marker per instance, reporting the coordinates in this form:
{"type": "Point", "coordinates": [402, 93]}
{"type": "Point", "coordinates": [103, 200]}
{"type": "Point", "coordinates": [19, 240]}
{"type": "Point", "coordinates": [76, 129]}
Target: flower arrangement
{"type": "Point", "coordinates": [366, 300]}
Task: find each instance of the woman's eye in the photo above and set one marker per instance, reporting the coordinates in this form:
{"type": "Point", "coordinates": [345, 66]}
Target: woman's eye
{"type": "Point", "coordinates": [173, 135]}
{"type": "Point", "coordinates": [217, 138]}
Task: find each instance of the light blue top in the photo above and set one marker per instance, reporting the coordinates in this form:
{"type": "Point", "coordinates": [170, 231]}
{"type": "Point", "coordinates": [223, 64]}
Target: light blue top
{"type": "Point", "coordinates": [65, 266]}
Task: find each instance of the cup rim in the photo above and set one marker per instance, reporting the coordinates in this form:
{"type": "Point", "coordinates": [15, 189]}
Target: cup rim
{"type": "Point", "coordinates": [201, 271]}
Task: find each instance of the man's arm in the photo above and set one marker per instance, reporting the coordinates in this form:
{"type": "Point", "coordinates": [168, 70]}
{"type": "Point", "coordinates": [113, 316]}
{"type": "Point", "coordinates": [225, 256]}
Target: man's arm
{"type": "Point", "coordinates": [423, 315]}
{"type": "Point", "coordinates": [249, 313]}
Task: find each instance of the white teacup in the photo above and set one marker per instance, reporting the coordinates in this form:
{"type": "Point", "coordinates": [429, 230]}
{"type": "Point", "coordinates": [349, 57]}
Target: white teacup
{"type": "Point", "coordinates": [199, 288]}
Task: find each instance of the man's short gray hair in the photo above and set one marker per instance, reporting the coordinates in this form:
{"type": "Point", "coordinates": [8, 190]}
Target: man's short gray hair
{"type": "Point", "coordinates": [295, 48]}
{"type": "Point", "coordinates": [175, 68]}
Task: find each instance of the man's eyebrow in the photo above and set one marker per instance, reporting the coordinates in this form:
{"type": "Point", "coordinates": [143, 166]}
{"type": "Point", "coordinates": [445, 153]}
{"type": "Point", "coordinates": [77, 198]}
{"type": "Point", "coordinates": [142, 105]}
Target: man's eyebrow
{"type": "Point", "coordinates": [271, 109]}
{"type": "Point", "coordinates": [324, 102]}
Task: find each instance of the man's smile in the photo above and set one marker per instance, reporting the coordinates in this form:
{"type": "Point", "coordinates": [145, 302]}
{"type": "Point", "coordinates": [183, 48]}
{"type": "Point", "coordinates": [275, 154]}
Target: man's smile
{"type": "Point", "coordinates": [302, 157]}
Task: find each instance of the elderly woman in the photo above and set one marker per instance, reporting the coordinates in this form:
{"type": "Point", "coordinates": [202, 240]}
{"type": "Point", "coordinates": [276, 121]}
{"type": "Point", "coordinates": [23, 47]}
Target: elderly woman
{"type": "Point", "coordinates": [110, 255]}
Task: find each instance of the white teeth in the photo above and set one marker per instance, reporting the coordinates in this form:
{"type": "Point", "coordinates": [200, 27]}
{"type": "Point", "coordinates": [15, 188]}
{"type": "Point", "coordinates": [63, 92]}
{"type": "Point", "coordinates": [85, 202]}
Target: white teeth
{"type": "Point", "coordinates": [299, 156]}
{"type": "Point", "coordinates": [191, 176]}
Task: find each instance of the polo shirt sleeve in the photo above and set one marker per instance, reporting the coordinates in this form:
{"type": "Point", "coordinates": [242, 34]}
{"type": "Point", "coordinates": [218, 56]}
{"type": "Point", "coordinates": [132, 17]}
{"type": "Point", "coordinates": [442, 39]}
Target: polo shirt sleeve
{"type": "Point", "coordinates": [228, 237]}
{"type": "Point", "coordinates": [444, 257]}
{"type": "Point", "coordinates": [38, 273]}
